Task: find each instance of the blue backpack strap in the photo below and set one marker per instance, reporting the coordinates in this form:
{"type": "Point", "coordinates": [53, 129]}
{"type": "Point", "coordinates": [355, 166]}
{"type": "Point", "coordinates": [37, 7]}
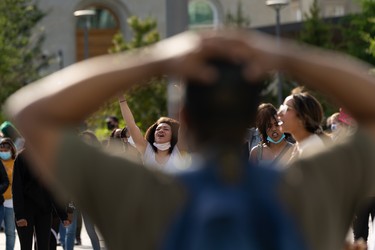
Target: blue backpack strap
{"type": "Point", "coordinates": [247, 215]}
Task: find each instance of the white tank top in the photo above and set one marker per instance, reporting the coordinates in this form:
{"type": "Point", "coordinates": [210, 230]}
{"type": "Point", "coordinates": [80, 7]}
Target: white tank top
{"type": "Point", "coordinates": [176, 162]}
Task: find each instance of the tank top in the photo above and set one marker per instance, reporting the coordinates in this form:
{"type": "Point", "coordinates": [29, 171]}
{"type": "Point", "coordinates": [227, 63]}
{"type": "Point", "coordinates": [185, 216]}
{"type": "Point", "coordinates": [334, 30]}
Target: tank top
{"type": "Point", "coordinates": [176, 162]}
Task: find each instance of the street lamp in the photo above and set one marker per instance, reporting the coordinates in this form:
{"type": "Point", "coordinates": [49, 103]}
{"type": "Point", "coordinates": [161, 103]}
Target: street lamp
{"type": "Point", "coordinates": [277, 5]}
{"type": "Point", "coordinates": [86, 14]}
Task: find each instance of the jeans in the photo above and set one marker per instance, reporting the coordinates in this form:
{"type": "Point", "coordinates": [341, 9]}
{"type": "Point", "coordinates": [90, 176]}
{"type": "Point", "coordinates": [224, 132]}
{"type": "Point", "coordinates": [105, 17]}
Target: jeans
{"type": "Point", "coordinates": [68, 235]}
{"type": "Point", "coordinates": [90, 228]}
{"type": "Point", "coordinates": [7, 214]}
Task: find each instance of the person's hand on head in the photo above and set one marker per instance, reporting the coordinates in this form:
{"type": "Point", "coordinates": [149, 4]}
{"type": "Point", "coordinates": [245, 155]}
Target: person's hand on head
{"type": "Point", "coordinates": [260, 53]}
{"type": "Point", "coordinates": [187, 54]}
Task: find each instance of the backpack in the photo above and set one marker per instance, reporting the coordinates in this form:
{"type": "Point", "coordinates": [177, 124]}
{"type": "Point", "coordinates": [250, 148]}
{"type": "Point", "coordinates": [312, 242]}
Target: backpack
{"type": "Point", "coordinates": [246, 215]}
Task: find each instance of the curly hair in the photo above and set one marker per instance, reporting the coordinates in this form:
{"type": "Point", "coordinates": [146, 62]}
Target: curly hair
{"type": "Point", "coordinates": [266, 114]}
{"type": "Point", "coordinates": [150, 133]}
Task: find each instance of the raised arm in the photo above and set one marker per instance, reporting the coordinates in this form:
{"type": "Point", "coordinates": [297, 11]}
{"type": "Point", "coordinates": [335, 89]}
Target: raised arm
{"type": "Point", "coordinates": [135, 132]}
{"type": "Point", "coordinates": [42, 110]}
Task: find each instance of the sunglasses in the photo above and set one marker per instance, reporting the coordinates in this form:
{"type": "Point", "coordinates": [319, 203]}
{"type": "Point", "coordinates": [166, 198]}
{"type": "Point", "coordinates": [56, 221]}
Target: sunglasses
{"type": "Point", "coordinates": [283, 109]}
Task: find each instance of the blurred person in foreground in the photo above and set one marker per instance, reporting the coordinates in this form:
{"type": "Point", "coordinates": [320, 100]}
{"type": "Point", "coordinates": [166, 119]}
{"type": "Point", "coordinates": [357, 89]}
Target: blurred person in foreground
{"type": "Point", "coordinates": [224, 203]}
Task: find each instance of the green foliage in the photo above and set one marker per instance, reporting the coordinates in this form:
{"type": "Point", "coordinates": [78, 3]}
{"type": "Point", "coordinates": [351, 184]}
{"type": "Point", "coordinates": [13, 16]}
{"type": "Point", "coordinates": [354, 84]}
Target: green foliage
{"type": "Point", "coordinates": [318, 32]}
{"type": "Point", "coordinates": [359, 32]}
{"type": "Point", "coordinates": [20, 45]}
{"type": "Point", "coordinates": [148, 102]}
{"type": "Point", "coordinates": [144, 33]}
{"type": "Point", "coordinates": [315, 30]}
{"type": "Point", "coordinates": [238, 20]}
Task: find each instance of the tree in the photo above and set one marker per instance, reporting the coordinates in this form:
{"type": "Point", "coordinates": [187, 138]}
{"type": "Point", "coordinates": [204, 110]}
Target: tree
{"type": "Point", "coordinates": [358, 32]}
{"type": "Point", "coordinates": [238, 20]}
{"type": "Point", "coordinates": [315, 30]}
{"type": "Point", "coordinates": [148, 102]}
{"type": "Point", "coordinates": [20, 45]}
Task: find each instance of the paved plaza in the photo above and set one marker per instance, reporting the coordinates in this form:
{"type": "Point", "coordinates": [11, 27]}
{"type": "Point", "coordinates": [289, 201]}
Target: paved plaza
{"type": "Point", "coordinates": [86, 244]}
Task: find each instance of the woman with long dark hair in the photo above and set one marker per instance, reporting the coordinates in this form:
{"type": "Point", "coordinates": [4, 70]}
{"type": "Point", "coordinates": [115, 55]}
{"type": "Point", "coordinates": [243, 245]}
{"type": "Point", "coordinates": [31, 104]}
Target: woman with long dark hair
{"type": "Point", "coordinates": [273, 147]}
{"type": "Point", "coordinates": [162, 146]}
{"type": "Point", "coordinates": [301, 115]}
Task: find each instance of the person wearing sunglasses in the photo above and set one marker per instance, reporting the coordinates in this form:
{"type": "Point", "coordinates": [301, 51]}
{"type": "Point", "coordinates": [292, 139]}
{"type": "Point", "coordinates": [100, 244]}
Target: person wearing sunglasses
{"type": "Point", "coordinates": [138, 208]}
{"type": "Point", "coordinates": [301, 115]}
{"type": "Point", "coordinates": [273, 147]}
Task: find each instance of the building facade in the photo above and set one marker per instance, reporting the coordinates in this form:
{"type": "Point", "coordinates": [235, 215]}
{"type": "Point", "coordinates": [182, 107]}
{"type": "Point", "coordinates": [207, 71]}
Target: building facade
{"type": "Point", "coordinates": [65, 33]}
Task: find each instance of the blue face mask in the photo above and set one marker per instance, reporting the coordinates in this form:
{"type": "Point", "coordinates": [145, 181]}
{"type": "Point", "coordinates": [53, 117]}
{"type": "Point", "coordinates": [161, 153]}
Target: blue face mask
{"type": "Point", "coordinates": [275, 142]}
{"type": "Point", "coordinates": [5, 155]}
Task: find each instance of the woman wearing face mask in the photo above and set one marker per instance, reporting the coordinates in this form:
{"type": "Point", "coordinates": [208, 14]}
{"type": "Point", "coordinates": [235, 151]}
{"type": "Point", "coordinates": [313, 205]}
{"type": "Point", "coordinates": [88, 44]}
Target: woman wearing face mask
{"type": "Point", "coordinates": [301, 115]}
{"type": "Point", "coordinates": [162, 147]}
{"type": "Point", "coordinates": [8, 155]}
{"type": "Point", "coordinates": [273, 147]}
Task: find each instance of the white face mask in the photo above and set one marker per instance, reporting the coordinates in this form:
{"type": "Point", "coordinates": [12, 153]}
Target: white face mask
{"type": "Point", "coordinates": [162, 146]}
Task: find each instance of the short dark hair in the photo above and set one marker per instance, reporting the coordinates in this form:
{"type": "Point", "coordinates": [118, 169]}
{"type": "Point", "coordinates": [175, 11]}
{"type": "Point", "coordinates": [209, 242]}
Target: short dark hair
{"type": "Point", "coordinates": [112, 117]}
{"type": "Point", "coordinates": [150, 133]}
{"type": "Point", "coordinates": [220, 112]}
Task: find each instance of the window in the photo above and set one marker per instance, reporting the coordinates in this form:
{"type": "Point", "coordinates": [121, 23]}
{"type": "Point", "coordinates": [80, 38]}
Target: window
{"type": "Point", "coordinates": [103, 19]}
{"type": "Point", "coordinates": [97, 38]}
{"type": "Point", "coordinates": [202, 14]}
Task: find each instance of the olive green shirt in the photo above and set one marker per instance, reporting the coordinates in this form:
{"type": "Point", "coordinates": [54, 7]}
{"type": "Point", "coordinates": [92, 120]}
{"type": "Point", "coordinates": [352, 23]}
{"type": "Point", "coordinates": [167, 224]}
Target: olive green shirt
{"type": "Point", "coordinates": [133, 206]}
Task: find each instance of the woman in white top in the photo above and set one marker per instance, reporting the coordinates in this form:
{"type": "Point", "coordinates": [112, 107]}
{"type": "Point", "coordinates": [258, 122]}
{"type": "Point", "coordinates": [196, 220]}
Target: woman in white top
{"type": "Point", "coordinates": [162, 146]}
{"type": "Point", "coordinates": [301, 115]}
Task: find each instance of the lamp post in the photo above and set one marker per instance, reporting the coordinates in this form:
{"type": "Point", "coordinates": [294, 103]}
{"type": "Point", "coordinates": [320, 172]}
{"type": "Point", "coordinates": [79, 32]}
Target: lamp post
{"type": "Point", "coordinates": [277, 5]}
{"type": "Point", "coordinates": [86, 14]}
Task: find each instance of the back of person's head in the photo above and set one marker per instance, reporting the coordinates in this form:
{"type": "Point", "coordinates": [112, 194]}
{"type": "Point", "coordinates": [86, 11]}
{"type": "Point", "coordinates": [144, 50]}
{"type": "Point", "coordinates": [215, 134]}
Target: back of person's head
{"type": "Point", "coordinates": [6, 144]}
{"type": "Point", "coordinates": [150, 133]}
{"type": "Point", "coordinates": [309, 110]}
{"type": "Point", "coordinates": [90, 137]}
{"type": "Point", "coordinates": [218, 114]}
{"type": "Point", "coordinates": [332, 120]}
{"type": "Point", "coordinates": [265, 118]}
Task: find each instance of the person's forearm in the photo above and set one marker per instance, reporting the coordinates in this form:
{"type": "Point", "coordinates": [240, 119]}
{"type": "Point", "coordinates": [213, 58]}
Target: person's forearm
{"type": "Point", "coordinates": [134, 131]}
{"type": "Point", "coordinates": [62, 97]}
{"type": "Point", "coordinates": [344, 79]}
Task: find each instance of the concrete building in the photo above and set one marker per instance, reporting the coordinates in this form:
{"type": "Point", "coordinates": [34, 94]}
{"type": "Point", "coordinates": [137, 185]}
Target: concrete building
{"type": "Point", "coordinates": [65, 32]}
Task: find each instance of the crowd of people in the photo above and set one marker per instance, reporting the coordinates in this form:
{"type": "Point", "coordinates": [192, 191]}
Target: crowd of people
{"type": "Point", "coordinates": [189, 183]}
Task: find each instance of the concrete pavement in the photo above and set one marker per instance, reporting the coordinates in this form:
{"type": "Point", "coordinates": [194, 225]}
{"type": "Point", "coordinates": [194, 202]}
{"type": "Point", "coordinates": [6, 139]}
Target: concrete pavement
{"type": "Point", "coordinates": [86, 244]}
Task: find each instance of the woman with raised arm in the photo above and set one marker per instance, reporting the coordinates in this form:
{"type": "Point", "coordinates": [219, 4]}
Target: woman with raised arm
{"type": "Point", "coordinates": [135, 207]}
{"type": "Point", "coordinates": [162, 146]}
